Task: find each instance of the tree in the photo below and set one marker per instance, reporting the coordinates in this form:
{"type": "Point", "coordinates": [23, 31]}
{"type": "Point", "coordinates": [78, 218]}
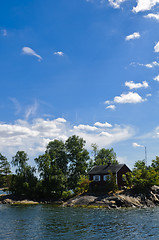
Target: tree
{"type": "Point", "coordinates": [57, 152]}
{"type": "Point", "coordinates": [104, 156]}
{"type": "Point", "coordinates": [4, 171]}
{"type": "Point", "coordinates": [77, 157]}
{"type": "Point", "coordinates": [20, 161]}
{"type": "Point", "coordinates": [143, 178]}
{"type": "Point", "coordinates": [155, 163]}
{"type": "Point", "coordinates": [52, 178]}
{"type": "Point", "coordinates": [24, 182]}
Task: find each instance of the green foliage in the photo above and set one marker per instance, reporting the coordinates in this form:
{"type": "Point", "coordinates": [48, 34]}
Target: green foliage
{"type": "Point", "coordinates": [63, 167]}
{"type": "Point", "coordinates": [83, 184]}
{"type": "Point", "coordinates": [20, 161]}
{"type": "Point", "coordinates": [142, 177]}
{"type": "Point", "coordinates": [24, 182]}
{"type": "Point", "coordinates": [53, 180]}
{"type": "Point", "coordinates": [77, 157]}
{"type": "Point", "coordinates": [155, 164]}
{"type": "Point", "coordinates": [57, 152]}
{"type": "Point", "coordinates": [111, 183]}
{"type": "Point", "coordinates": [5, 172]}
{"type": "Point", "coordinates": [105, 156]}
{"type": "Point", "coordinates": [67, 194]}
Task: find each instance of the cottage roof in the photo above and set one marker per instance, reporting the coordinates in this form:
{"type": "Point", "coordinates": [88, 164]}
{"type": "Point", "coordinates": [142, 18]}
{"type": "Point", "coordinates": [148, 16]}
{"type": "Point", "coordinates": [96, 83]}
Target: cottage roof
{"type": "Point", "coordinates": [105, 169]}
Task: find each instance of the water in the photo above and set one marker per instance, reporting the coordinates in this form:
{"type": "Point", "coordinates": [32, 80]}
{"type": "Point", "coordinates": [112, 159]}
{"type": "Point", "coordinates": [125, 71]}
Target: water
{"type": "Point", "coordinates": [47, 222]}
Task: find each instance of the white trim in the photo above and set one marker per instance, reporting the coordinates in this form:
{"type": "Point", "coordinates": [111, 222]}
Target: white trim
{"type": "Point", "coordinates": [96, 178]}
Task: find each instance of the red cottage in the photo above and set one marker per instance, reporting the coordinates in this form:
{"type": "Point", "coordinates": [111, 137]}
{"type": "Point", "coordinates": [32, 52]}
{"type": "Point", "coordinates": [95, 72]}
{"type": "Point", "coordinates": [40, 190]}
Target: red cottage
{"type": "Point", "coordinates": [101, 173]}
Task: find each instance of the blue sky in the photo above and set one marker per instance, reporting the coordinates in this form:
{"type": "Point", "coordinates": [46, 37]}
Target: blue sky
{"type": "Point", "coordinates": [84, 67]}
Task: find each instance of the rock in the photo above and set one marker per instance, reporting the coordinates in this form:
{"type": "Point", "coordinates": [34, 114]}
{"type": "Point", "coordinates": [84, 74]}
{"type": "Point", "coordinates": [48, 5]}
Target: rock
{"type": "Point", "coordinates": [7, 201]}
{"type": "Point", "coordinates": [155, 189]}
{"type": "Point", "coordinates": [25, 202]}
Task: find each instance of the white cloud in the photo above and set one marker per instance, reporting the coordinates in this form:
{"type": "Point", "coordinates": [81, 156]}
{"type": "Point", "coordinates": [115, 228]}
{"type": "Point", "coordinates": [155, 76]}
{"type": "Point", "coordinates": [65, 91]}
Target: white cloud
{"type": "Point", "coordinates": [85, 128]}
{"type": "Point", "coordinates": [133, 85]}
{"type": "Point", "coordinates": [106, 138]}
{"type": "Point", "coordinates": [151, 65]}
{"type": "Point", "coordinates": [156, 47]}
{"type": "Point", "coordinates": [148, 95]}
{"type": "Point", "coordinates": [31, 52]}
{"type": "Point", "coordinates": [152, 15]}
{"type": "Point", "coordinates": [111, 107]}
{"type": "Point", "coordinates": [59, 53]}
{"type": "Point", "coordinates": [144, 5]}
{"type": "Point", "coordinates": [132, 36]}
{"type": "Point", "coordinates": [33, 137]}
{"type": "Point", "coordinates": [136, 145]}
{"type": "Point", "coordinates": [131, 97]}
{"type": "Point", "coordinates": [116, 3]}
{"type": "Point", "coordinates": [156, 78]}
{"type": "Point", "coordinates": [103, 125]}
{"type": "Point", "coordinates": [148, 65]}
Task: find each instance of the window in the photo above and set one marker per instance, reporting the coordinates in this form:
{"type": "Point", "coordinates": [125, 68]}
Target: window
{"type": "Point", "coordinates": [124, 178]}
{"type": "Point", "coordinates": [96, 178]}
{"type": "Point", "coordinates": [106, 177]}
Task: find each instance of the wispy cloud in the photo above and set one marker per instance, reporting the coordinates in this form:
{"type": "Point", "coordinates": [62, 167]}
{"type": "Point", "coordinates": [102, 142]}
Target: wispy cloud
{"type": "Point", "coordinates": [144, 5]}
{"type": "Point", "coordinates": [17, 105]}
{"type": "Point", "coordinates": [132, 85]}
{"type": "Point", "coordinates": [113, 107]}
{"type": "Point", "coordinates": [147, 65]}
{"type": "Point", "coordinates": [131, 97]}
{"type": "Point", "coordinates": [116, 3]}
{"type": "Point", "coordinates": [31, 110]}
{"type": "Point", "coordinates": [153, 16]}
{"type": "Point", "coordinates": [156, 47]}
{"type": "Point", "coordinates": [135, 35]}
{"type": "Point", "coordinates": [31, 52]}
{"type": "Point", "coordinates": [59, 53]}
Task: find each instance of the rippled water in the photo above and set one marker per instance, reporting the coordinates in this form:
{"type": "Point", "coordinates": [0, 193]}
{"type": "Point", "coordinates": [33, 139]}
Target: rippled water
{"type": "Point", "coordinates": [48, 222]}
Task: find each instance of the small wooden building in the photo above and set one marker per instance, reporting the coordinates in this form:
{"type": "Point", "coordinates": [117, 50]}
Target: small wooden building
{"type": "Point", "coordinates": [101, 173]}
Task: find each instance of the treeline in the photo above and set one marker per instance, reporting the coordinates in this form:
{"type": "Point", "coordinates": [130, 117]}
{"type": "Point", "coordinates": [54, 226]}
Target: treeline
{"type": "Point", "coordinates": [62, 170]}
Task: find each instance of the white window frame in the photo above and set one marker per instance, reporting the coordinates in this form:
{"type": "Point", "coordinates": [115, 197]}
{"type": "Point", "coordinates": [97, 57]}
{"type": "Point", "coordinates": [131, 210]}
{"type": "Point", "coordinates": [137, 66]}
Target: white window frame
{"type": "Point", "coordinates": [106, 177]}
{"type": "Point", "coordinates": [96, 178]}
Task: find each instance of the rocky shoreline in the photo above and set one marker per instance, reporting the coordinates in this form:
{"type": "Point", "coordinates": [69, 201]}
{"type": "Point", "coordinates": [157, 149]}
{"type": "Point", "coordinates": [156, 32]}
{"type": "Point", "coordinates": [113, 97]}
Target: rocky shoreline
{"type": "Point", "coordinates": [120, 199]}
{"type": "Point", "coordinates": [123, 199]}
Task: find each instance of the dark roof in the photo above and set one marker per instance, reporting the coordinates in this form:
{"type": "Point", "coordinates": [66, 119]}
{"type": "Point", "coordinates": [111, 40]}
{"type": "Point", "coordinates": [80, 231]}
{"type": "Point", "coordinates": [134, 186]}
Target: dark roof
{"type": "Point", "coordinates": [105, 169]}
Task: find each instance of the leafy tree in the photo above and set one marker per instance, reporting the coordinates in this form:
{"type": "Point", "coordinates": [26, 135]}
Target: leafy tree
{"type": "Point", "coordinates": [143, 178]}
{"type": "Point", "coordinates": [77, 157]}
{"type": "Point", "coordinates": [24, 182]}
{"type": "Point", "coordinates": [57, 152]}
{"type": "Point", "coordinates": [104, 156]}
{"type": "Point", "coordinates": [4, 171]}
{"type": "Point", "coordinates": [20, 161]}
{"type": "Point", "coordinates": [155, 163]}
{"type": "Point", "coordinates": [52, 178]}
